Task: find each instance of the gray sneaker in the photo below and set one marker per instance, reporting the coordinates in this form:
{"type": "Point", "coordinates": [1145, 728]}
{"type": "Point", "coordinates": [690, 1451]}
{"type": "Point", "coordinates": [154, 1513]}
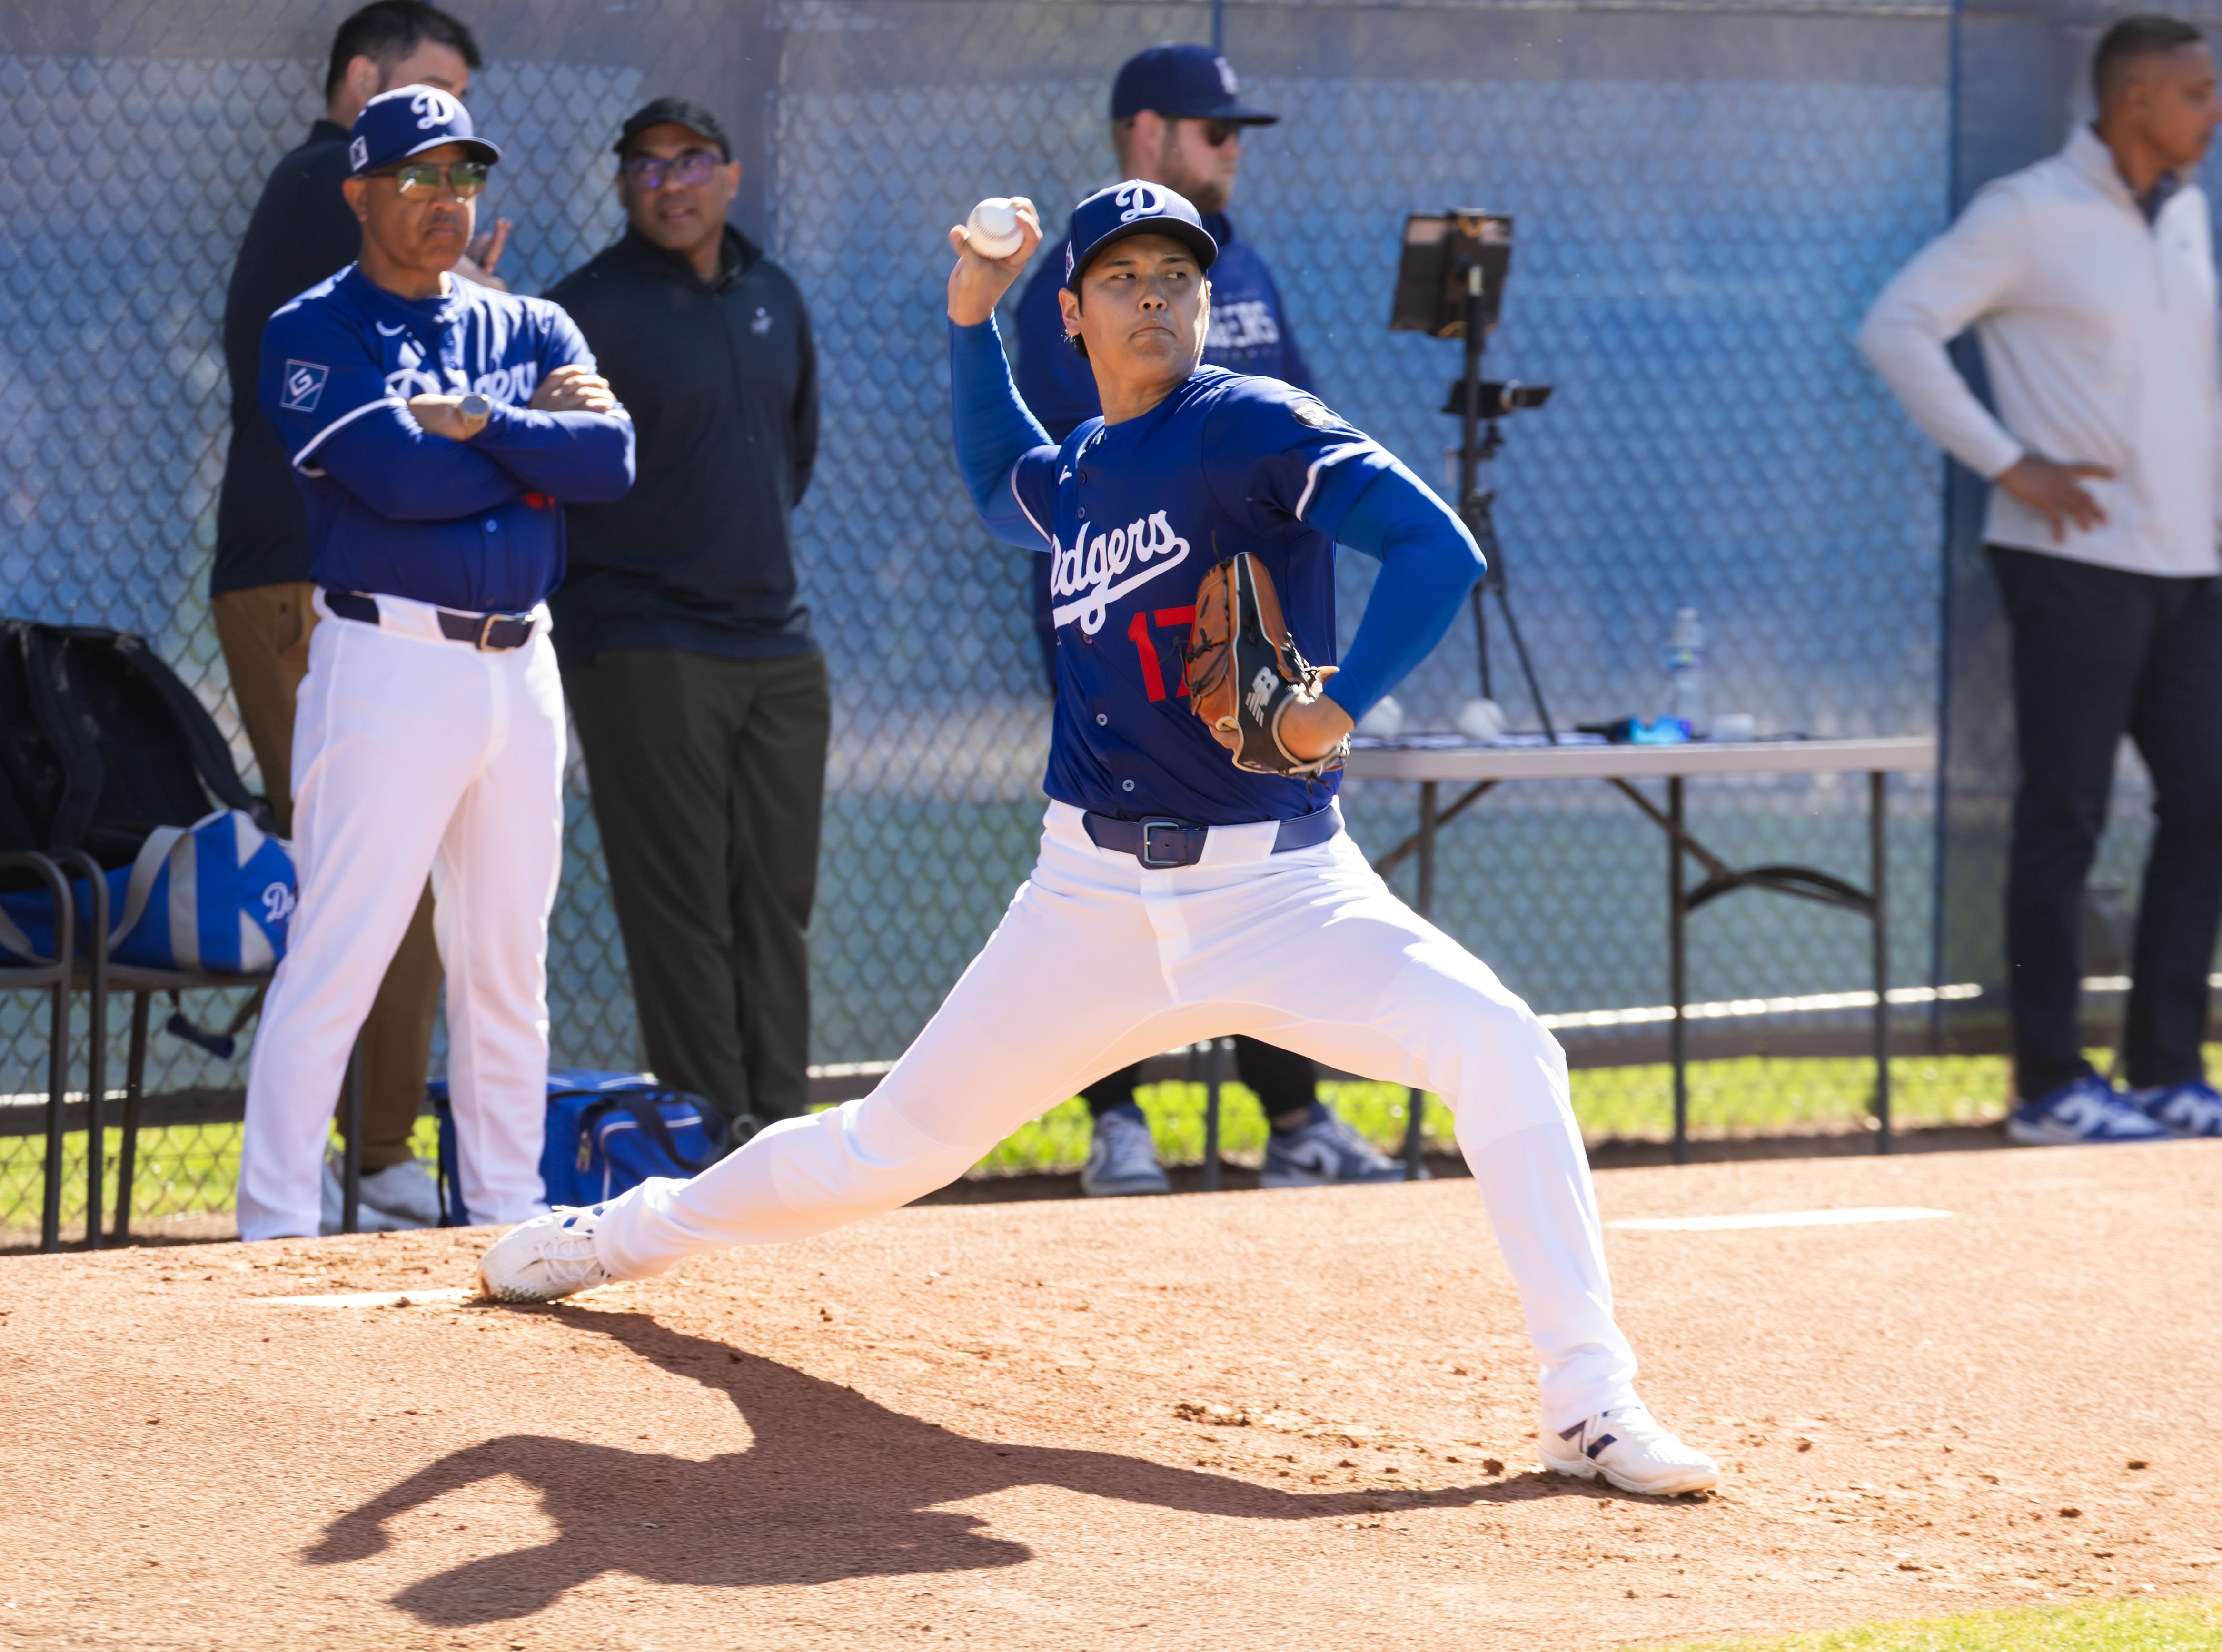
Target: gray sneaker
{"type": "Point", "coordinates": [405, 1191]}
{"type": "Point", "coordinates": [1325, 1152]}
{"type": "Point", "coordinates": [1122, 1160]}
{"type": "Point", "coordinates": [377, 1200]}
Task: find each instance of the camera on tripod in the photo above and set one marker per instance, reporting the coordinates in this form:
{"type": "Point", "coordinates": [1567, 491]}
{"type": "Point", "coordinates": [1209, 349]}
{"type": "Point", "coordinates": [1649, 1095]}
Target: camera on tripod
{"type": "Point", "coordinates": [1450, 284]}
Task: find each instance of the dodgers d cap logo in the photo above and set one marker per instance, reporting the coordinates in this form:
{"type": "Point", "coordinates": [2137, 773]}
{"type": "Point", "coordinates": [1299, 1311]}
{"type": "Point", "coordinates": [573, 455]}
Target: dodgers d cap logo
{"type": "Point", "coordinates": [408, 120]}
{"type": "Point", "coordinates": [1133, 208]}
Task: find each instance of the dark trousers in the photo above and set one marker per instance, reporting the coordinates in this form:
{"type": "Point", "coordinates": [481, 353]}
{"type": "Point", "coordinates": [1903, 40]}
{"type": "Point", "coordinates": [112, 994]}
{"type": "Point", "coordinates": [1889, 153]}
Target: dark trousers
{"type": "Point", "coordinates": [2097, 654]}
{"type": "Point", "coordinates": [1284, 1080]}
{"type": "Point", "coordinates": [708, 778]}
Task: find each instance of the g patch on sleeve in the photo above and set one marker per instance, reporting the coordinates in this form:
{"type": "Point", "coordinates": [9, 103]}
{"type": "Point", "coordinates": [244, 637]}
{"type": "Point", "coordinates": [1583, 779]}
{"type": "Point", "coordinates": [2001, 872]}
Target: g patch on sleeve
{"type": "Point", "coordinates": [1312, 412]}
{"type": "Point", "coordinates": [304, 386]}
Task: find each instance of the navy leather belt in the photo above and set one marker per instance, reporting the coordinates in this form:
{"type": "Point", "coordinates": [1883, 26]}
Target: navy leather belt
{"type": "Point", "coordinates": [1163, 843]}
{"type": "Point", "coordinates": [487, 631]}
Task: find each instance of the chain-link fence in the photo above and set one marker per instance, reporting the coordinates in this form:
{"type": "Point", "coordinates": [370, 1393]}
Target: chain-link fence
{"type": "Point", "coordinates": [1706, 198]}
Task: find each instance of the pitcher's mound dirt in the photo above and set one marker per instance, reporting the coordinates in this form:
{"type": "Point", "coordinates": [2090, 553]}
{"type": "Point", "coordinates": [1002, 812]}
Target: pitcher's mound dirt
{"type": "Point", "coordinates": [1251, 1420]}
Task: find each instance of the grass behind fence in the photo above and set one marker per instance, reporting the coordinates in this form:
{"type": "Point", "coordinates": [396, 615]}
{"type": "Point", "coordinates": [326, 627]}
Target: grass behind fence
{"type": "Point", "coordinates": [189, 1169]}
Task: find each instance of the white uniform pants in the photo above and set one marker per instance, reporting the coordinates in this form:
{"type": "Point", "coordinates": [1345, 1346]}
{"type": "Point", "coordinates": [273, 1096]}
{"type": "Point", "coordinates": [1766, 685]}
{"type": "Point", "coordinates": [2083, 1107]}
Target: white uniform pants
{"type": "Point", "coordinates": [412, 754]}
{"type": "Point", "coordinates": [1099, 963]}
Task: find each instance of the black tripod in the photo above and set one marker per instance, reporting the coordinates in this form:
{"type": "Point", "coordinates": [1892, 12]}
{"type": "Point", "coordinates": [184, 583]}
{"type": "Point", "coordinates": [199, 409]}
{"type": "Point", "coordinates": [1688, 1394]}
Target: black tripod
{"type": "Point", "coordinates": [1479, 408]}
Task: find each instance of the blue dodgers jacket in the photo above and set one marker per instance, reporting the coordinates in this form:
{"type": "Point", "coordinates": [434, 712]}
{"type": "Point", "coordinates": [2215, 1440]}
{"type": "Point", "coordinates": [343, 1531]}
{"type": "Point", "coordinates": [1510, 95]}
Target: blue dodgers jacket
{"type": "Point", "coordinates": [473, 525]}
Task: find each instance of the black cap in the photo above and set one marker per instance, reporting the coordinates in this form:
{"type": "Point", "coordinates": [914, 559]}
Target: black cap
{"type": "Point", "coordinates": [677, 111]}
{"type": "Point", "coordinates": [1182, 83]}
{"type": "Point", "coordinates": [1132, 208]}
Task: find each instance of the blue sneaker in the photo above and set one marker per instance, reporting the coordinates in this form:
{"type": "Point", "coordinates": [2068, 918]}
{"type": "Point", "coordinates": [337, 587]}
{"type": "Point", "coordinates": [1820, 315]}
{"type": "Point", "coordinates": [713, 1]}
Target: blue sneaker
{"type": "Point", "coordinates": [1324, 1151]}
{"type": "Point", "coordinates": [2088, 1112]}
{"type": "Point", "coordinates": [2193, 1109]}
{"type": "Point", "coordinates": [1121, 1159]}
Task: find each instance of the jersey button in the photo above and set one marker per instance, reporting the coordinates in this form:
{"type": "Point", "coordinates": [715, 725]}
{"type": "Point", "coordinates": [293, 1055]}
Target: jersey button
{"type": "Point", "coordinates": [492, 526]}
{"type": "Point", "coordinates": [1126, 785]}
{"type": "Point", "coordinates": [1102, 721]}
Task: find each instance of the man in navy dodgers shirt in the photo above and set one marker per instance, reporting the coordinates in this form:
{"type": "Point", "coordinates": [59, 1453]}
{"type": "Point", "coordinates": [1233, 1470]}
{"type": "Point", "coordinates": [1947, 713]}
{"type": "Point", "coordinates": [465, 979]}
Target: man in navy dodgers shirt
{"type": "Point", "coordinates": [435, 427]}
{"type": "Point", "coordinates": [1178, 897]}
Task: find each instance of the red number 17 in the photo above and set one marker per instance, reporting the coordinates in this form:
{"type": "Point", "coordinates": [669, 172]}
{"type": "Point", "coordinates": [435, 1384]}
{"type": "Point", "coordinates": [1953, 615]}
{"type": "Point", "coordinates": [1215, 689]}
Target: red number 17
{"type": "Point", "coordinates": [1138, 630]}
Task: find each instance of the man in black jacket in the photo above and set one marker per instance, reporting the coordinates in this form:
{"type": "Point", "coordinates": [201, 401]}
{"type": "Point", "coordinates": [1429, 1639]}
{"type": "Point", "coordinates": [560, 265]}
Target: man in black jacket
{"type": "Point", "coordinates": [302, 232]}
{"type": "Point", "coordinates": [699, 695]}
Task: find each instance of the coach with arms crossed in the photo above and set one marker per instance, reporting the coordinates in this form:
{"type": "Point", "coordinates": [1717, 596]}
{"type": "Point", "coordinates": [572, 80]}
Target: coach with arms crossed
{"type": "Point", "coordinates": [435, 427]}
{"type": "Point", "coordinates": [698, 692]}
{"type": "Point", "coordinates": [2090, 280]}
{"type": "Point", "coordinates": [302, 232]}
{"type": "Point", "coordinates": [1177, 119]}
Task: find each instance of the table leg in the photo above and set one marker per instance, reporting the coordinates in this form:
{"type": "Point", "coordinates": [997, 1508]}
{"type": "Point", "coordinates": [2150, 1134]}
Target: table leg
{"type": "Point", "coordinates": [1415, 1101]}
{"type": "Point", "coordinates": [1213, 1063]}
{"type": "Point", "coordinates": [1678, 1032]}
{"type": "Point", "coordinates": [1879, 886]}
{"type": "Point", "coordinates": [351, 1164]}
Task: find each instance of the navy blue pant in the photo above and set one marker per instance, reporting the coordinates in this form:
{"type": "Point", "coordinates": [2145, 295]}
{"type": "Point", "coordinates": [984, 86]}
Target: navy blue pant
{"type": "Point", "coordinates": [2098, 654]}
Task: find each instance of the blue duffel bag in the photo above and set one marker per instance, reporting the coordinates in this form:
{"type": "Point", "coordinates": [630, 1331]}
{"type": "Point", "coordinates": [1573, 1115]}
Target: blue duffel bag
{"type": "Point", "coordinates": [606, 1132]}
{"type": "Point", "coordinates": [214, 897]}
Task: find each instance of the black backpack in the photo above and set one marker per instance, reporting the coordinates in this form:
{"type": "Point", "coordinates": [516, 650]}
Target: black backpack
{"type": "Point", "coordinates": [100, 743]}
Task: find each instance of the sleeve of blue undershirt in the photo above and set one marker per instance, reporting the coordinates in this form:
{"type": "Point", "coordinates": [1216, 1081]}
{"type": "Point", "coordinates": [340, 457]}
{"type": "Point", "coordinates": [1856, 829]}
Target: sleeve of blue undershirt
{"type": "Point", "coordinates": [1428, 563]}
{"type": "Point", "coordinates": [1005, 456]}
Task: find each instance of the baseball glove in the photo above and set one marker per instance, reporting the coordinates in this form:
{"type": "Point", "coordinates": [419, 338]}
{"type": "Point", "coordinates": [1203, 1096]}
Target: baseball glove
{"type": "Point", "coordinates": [1244, 671]}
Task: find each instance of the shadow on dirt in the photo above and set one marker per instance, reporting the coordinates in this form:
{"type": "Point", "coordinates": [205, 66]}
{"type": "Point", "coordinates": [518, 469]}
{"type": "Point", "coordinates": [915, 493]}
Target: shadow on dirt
{"type": "Point", "coordinates": [835, 1485]}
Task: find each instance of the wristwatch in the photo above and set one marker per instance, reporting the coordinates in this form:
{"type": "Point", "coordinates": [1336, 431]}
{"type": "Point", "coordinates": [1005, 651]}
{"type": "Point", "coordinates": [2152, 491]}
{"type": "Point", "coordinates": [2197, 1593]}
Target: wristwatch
{"type": "Point", "coordinates": [474, 408]}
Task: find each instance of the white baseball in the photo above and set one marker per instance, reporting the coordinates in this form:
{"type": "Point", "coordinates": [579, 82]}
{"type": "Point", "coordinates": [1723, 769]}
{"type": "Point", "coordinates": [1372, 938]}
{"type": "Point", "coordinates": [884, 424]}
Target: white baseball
{"type": "Point", "coordinates": [992, 229]}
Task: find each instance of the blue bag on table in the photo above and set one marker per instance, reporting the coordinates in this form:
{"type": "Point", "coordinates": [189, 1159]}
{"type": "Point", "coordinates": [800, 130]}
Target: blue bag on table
{"type": "Point", "coordinates": [606, 1132]}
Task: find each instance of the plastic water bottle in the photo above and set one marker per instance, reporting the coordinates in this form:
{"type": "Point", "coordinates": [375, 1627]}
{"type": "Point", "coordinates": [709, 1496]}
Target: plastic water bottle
{"type": "Point", "coordinates": [1686, 669]}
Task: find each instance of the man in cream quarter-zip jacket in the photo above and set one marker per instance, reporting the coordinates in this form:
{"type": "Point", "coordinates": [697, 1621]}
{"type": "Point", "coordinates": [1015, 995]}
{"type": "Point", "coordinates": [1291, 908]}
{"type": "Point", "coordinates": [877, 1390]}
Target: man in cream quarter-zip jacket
{"type": "Point", "coordinates": [2089, 279]}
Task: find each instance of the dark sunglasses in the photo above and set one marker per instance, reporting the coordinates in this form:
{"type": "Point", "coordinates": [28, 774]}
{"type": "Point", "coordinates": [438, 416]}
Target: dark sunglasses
{"type": "Point", "coordinates": [689, 171]}
{"type": "Point", "coordinates": [1216, 133]}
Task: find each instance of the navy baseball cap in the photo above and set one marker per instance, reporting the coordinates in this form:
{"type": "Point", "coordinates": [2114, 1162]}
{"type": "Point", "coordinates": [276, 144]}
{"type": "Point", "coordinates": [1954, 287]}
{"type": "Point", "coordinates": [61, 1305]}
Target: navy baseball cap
{"type": "Point", "coordinates": [1182, 83]}
{"type": "Point", "coordinates": [1132, 208]}
{"type": "Point", "coordinates": [407, 120]}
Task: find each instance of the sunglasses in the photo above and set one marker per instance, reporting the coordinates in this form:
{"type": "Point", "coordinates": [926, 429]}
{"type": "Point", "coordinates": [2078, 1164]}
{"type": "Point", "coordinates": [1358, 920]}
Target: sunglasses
{"type": "Point", "coordinates": [419, 180]}
{"type": "Point", "coordinates": [689, 171]}
{"type": "Point", "coordinates": [1216, 133]}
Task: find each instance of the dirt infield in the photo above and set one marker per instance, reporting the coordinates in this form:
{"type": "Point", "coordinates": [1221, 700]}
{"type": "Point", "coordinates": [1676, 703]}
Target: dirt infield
{"type": "Point", "coordinates": [1249, 1420]}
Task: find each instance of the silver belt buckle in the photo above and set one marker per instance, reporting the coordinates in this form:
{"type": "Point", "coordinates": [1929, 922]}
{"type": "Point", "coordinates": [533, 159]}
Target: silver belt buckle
{"type": "Point", "coordinates": [1149, 826]}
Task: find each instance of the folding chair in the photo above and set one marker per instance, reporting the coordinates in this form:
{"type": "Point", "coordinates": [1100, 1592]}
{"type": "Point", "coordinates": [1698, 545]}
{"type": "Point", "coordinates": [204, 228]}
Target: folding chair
{"type": "Point", "coordinates": [54, 977]}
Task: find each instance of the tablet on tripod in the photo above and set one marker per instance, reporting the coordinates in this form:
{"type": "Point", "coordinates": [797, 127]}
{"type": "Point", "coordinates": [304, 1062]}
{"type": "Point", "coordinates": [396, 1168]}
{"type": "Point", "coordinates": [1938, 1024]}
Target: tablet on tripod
{"type": "Point", "coordinates": [1440, 250]}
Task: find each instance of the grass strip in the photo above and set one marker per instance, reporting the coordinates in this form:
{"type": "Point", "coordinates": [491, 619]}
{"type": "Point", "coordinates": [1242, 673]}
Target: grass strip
{"type": "Point", "coordinates": [188, 1169]}
{"type": "Point", "coordinates": [2193, 1624]}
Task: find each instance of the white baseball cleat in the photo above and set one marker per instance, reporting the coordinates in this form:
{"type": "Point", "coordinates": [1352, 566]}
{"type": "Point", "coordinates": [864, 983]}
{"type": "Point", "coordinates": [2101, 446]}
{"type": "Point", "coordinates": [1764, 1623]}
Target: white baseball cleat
{"type": "Point", "coordinates": [1630, 1450]}
{"type": "Point", "coordinates": [546, 1258]}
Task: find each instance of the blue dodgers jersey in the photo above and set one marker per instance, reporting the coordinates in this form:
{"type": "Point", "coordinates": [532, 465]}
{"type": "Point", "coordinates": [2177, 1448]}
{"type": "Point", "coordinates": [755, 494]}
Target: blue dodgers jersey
{"type": "Point", "coordinates": [1250, 333]}
{"type": "Point", "coordinates": [347, 348]}
{"type": "Point", "coordinates": [1135, 514]}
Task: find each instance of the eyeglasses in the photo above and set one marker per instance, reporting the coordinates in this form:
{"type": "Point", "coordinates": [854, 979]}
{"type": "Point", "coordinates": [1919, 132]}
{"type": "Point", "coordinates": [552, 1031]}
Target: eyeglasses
{"type": "Point", "coordinates": [688, 171]}
{"type": "Point", "coordinates": [1216, 133]}
{"type": "Point", "coordinates": [419, 178]}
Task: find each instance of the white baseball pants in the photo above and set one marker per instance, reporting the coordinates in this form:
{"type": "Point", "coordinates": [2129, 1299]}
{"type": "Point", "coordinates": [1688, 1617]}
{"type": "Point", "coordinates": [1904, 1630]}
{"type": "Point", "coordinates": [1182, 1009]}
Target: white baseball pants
{"type": "Point", "coordinates": [414, 753]}
{"type": "Point", "coordinates": [1099, 963]}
